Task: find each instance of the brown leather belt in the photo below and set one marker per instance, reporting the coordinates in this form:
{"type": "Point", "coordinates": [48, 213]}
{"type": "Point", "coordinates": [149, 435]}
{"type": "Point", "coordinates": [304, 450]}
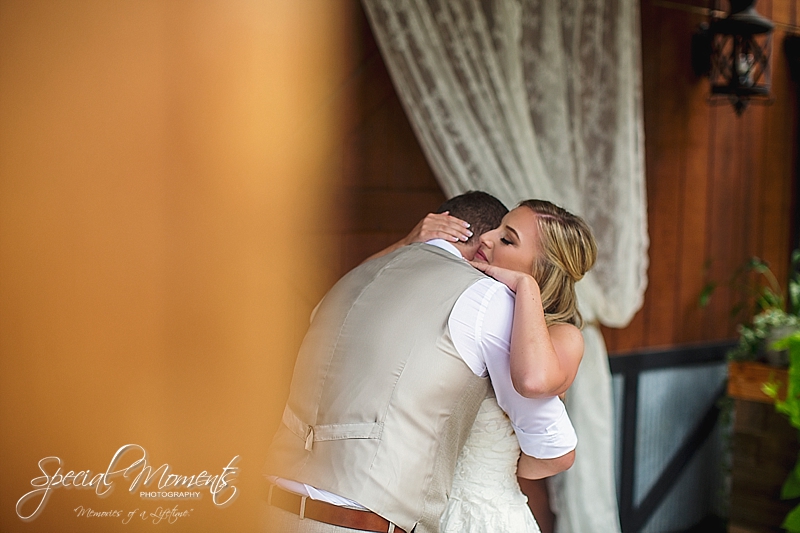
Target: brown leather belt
{"type": "Point", "coordinates": [328, 513]}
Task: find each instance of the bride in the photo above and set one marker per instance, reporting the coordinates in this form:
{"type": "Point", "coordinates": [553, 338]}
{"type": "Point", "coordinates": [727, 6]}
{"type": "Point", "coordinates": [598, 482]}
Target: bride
{"type": "Point", "coordinates": [539, 251]}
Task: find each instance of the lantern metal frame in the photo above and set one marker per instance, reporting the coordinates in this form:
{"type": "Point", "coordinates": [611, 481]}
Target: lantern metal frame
{"type": "Point", "coordinates": [734, 52]}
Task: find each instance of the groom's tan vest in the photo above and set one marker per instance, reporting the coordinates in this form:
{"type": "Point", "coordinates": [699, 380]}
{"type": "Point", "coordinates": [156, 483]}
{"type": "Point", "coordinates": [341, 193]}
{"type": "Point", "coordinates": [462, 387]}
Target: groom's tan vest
{"type": "Point", "coordinates": [380, 402]}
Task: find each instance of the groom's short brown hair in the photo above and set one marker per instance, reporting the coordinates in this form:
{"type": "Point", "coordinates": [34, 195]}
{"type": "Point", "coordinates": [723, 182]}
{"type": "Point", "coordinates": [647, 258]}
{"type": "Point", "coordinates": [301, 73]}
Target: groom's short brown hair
{"type": "Point", "coordinates": [483, 211]}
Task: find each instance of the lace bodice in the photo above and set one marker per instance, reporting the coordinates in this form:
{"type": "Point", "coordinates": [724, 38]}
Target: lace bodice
{"type": "Point", "coordinates": [485, 497]}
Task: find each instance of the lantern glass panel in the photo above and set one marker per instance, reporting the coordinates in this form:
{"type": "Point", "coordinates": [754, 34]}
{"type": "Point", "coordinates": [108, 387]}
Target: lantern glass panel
{"type": "Point", "coordinates": [740, 64]}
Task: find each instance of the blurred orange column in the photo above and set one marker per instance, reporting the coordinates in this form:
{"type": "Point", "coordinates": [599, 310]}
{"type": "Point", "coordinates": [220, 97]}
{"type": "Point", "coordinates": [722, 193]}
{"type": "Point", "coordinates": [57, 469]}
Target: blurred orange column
{"type": "Point", "coordinates": [165, 174]}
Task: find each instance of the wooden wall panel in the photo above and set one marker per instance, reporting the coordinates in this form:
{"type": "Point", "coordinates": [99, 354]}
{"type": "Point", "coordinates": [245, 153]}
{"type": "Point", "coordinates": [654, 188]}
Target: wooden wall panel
{"type": "Point", "coordinates": [386, 185]}
{"type": "Point", "coordinates": [668, 170]}
{"type": "Point", "coordinates": [693, 221]}
{"type": "Point", "coordinates": [719, 185]}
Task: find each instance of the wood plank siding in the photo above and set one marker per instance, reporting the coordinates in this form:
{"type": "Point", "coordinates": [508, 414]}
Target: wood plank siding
{"type": "Point", "coordinates": [719, 187]}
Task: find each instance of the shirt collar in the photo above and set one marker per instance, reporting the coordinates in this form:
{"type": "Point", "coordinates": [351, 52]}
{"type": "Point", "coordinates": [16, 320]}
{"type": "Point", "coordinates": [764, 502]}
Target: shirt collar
{"type": "Point", "coordinates": [444, 245]}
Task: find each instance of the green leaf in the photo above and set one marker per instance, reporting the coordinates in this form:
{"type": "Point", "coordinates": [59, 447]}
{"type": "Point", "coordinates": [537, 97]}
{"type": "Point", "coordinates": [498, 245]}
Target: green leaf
{"type": "Point", "coordinates": [759, 267]}
{"type": "Point", "coordinates": [705, 294]}
{"type": "Point", "coordinates": [790, 342]}
{"type": "Point", "coordinates": [771, 389]}
{"type": "Point", "coordinates": [792, 521]}
{"type": "Point", "coordinates": [791, 487]}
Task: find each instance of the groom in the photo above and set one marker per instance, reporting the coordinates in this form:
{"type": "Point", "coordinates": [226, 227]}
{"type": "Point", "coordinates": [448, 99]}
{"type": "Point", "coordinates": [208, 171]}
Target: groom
{"type": "Point", "coordinates": [387, 385]}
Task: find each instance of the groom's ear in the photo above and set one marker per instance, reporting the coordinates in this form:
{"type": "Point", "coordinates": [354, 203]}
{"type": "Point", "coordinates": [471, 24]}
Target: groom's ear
{"type": "Point", "coordinates": [469, 248]}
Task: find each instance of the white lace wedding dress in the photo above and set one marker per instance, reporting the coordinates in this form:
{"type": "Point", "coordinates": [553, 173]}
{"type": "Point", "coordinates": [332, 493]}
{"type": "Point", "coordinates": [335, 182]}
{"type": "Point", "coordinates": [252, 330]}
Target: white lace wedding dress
{"type": "Point", "coordinates": [485, 497]}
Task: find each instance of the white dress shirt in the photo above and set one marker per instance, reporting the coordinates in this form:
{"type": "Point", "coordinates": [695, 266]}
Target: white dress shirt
{"type": "Point", "coordinates": [480, 326]}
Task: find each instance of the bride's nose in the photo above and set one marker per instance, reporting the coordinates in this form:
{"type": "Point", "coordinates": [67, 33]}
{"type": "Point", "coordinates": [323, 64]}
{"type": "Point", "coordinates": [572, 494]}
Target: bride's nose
{"type": "Point", "coordinates": [487, 239]}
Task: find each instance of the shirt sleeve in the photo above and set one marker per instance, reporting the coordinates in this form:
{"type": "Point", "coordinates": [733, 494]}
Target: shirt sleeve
{"type": "Point", "coordinates": [480, 326]}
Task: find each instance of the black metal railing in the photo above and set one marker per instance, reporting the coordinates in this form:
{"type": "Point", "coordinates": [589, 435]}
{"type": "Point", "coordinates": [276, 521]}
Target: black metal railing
{"type": "Point", "coordinates": [634, 517]}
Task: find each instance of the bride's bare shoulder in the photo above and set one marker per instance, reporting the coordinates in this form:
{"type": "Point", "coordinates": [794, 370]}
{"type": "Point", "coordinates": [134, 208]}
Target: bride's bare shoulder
{"type": "Point", "coordinates": [568, 342]}
{"type": "Point", "coordinates": [566, 333]}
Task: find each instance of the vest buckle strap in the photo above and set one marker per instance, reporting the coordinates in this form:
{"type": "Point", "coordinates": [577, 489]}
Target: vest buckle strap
{"type": "Point", "coordinates": [309, 438]}
{"type": "Point", "coordinates": [326, 432]}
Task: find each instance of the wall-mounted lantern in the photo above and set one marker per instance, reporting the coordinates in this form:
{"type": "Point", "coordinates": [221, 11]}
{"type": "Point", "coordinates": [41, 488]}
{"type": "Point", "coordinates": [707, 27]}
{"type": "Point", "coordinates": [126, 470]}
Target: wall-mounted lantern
{"type": "Point", "coordinates": [734, 52]}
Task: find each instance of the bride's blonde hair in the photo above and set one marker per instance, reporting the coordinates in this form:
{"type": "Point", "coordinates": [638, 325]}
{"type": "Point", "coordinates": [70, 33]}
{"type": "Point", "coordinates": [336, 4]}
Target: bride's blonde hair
{"type": "Point", "coordinates": [568, 251]}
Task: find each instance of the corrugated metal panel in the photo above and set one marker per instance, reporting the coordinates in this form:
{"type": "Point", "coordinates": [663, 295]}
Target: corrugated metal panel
{"type": "Point", "coordinates": [671, 404]}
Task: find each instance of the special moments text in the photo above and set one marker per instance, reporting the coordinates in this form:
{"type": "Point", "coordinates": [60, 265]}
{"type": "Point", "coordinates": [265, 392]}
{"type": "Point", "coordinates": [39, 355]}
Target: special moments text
{"type": "Point", "coordinates": [220, 486]}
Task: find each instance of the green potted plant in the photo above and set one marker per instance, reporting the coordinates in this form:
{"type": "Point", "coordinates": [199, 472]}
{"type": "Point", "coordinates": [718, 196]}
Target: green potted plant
{"type": "Point", "coordinates": [767, 343]}
{"type": "Point", "coordinates": [776, 316]}
{"type": "Point", "coordinates": [791, 408]}
{"type": "Point", "coordinates": [774, 336]}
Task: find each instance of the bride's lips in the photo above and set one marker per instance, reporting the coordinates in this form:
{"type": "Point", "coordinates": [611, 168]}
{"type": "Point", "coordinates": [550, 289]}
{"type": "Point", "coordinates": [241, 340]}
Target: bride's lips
{"type": "Point", "coordinates": [480, 256]}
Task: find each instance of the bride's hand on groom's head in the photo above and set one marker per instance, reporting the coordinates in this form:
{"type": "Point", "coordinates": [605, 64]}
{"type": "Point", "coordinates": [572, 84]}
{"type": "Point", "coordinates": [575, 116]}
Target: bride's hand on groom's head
{"type": "Point", "coordinates": [439, 226]}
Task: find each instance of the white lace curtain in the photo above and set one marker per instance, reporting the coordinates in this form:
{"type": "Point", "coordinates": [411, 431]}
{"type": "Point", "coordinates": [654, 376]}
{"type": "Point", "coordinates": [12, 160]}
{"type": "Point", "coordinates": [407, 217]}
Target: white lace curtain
{"type": "Point", "coordinates": [541, 99]}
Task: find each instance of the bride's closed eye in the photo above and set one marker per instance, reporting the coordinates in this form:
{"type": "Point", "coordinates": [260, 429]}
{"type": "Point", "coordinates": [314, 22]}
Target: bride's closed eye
{"type": "Point", "coordinates": [505, 241]}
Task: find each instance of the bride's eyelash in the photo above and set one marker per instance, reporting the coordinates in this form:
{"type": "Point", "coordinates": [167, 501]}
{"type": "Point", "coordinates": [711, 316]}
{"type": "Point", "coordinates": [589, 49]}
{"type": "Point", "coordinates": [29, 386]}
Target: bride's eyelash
{"type": "Point", "coordinates": [505, 241]}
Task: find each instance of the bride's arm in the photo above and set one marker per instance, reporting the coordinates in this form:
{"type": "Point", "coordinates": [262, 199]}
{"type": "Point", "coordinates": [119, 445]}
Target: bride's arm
{"type": "Point", "coordinates": [541, 425]}
{"type": "Point", "coordinates": [533, 468]}
{"type": "Point", "coordinates": [544, 360]}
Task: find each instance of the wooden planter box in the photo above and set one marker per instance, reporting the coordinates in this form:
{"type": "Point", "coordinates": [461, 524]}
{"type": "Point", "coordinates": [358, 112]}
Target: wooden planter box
{"type": "Point", "coordinates": [764, 447]}
{"type": "Point", "coordinates": [745, 379]}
